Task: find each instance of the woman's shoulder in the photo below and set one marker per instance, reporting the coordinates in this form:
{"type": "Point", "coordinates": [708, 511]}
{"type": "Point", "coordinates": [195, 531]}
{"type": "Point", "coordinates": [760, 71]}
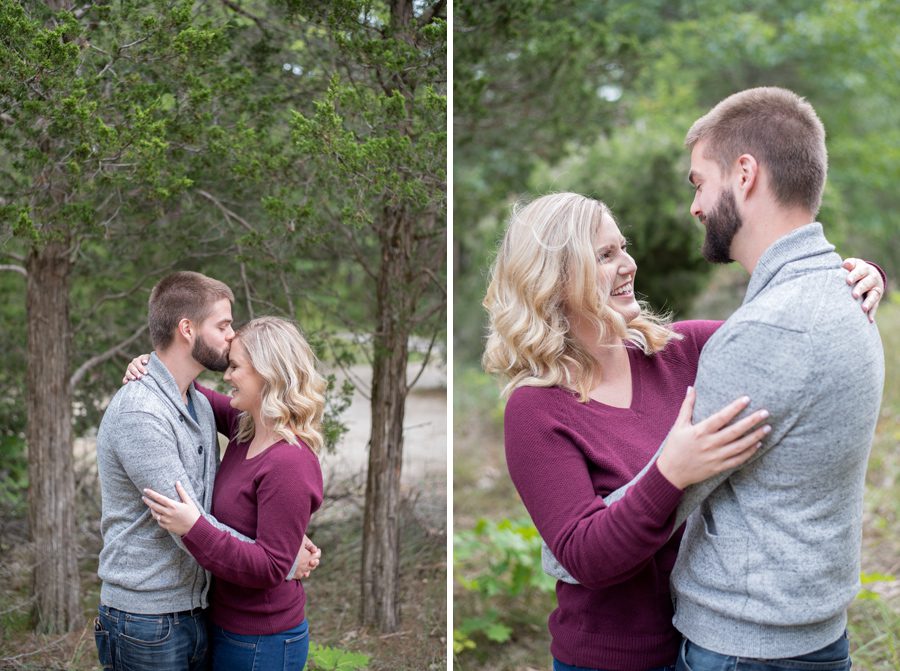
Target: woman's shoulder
{"type": "Point", "coordinates": [695, 332]}
{"type": "Point", "coordinates": [529, 396]}
{"type": "Point", "coordinates": [538, 403]}
{"type": "Point", "coordinates": [288, 452]}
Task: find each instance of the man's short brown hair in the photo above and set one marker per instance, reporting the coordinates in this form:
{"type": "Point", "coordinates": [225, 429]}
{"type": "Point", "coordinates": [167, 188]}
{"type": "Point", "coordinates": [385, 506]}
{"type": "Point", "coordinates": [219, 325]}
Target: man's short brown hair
{"type": "Point", "coordinates": [780, 130]}
{"type": "Point", "coordinates": [182, 295]}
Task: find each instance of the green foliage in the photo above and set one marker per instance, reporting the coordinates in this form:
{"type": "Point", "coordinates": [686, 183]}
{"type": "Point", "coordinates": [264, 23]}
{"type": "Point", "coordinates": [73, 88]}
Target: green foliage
{"type": "Point", "coordinates": [157, 136]}
{"type": "Point", "coordinates": [869, 578]}
{"type": "Point", "coordinates": [597, 97]}
{"type": "Point", "coordinates": [13, 474]}
{"type": "Point", "coordinates": [497, 561]}
{"type": "Point", "coordinates": [325, 658]}
{"type": "Point", "coordinates": [337, 400]}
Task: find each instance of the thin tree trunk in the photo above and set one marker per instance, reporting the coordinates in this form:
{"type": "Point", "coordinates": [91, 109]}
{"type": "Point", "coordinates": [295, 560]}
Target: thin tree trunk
{"type": "Point", "coordinates": [381, 529]}
{"type": "Point", "coordinates": [51, 491]}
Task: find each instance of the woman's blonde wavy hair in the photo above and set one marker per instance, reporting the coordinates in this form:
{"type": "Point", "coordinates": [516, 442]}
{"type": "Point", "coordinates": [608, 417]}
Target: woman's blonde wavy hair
{"type": "Point", "coordinates": [545, 269]}
{"type": "Point", "coordinates": [293, 394]}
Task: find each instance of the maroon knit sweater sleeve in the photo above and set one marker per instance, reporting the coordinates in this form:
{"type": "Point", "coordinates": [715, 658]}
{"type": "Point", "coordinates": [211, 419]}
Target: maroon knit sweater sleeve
{"type": "Point", "coordinates": [288, 490]}
{"type": "Point", "coordinates": [598, 545]}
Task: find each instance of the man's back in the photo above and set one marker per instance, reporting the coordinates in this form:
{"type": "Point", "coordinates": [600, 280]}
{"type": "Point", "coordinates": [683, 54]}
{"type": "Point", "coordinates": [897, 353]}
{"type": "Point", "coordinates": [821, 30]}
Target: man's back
{"type": "Point", "coordinates": [770, 559]}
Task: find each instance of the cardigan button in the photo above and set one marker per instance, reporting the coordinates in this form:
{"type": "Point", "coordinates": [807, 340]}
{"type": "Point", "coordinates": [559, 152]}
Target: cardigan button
{"type": "Point", "coordinates": [200, 450]}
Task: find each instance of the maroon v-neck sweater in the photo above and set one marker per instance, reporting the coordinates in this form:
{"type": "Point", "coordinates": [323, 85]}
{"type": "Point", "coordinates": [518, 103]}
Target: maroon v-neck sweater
{"type": "Point", "coordinates": [270, 498]}
{"type": "Point", "coordinates": [564, 456]}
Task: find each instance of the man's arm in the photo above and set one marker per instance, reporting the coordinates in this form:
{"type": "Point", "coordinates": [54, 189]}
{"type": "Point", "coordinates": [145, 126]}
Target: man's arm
{"type": "Point", "coordinates": [148, 451]}
{"type": "Point", "coordinates": [768, 364]}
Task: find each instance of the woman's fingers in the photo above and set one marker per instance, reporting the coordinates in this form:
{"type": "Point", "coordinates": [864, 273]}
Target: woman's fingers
{"type": "Point", "coordinates": [872, 310]}
{"type": "Point", "coordinates": [687, 407]}
{"type": "Point", "coordinates": [719, 419]}
{"type": "Point", "coordinates": [137, 368]}
{"type": "Point", "coordinates": [739, 428]}
{"type": "Point", "coordinates": [868, 282]}
{"type": "Point", "coordinates": [740, 457]}
{"type": "Point", "coordinates": [738, 451]}
{"type": "Point", "coordinates": [156, 496]}
{"type": "Point", "coordinates": [181, 493]}
{"type": "Point", "coordinates": [156, 509]}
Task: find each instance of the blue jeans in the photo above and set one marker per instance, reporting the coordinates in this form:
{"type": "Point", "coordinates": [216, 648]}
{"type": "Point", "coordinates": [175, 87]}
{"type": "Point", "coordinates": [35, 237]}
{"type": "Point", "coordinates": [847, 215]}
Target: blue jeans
{"type": "Point", "coordinates": [834, 657]}
{"type": "Point", "coordinates": [137, 642]}
{"type": "Point", "coordinates": [560, 666]}
{"type": "Point", "coordinates": [284, 651]}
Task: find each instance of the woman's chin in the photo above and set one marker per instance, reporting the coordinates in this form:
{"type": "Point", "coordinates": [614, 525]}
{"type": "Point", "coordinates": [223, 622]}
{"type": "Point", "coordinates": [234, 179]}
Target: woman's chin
{"type": "Point", "coordinates": [630, 310]}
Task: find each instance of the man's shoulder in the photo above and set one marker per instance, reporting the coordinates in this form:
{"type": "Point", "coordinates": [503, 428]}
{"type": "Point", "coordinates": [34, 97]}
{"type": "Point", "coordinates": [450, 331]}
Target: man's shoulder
{"type": "Point", "coordinates": [138, 396]}
{"type": "Point", "coordinates": [135, 401]}
{"type": "Point", "coordinates": [794, 301]}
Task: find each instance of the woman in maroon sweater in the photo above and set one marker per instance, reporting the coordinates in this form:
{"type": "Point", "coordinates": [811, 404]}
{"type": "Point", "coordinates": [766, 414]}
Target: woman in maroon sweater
{"type": "Point", "coordinates": [596, 383]}
{"type": "Point", "coordinates": [267, 487]}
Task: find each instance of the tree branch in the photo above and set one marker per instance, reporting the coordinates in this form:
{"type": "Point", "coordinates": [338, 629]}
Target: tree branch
{"type": "Point", "coordinates": [15, 257]}
{"type": "Point", "coordinates": [246, 283]}
{"type": "Point", "coordinates": [233, 6]}
{"type": "Point", "coordinates": [14, 268]}
{"type": "Point", "coordinates": [429, 14]}
{"type": "Point", "coordinates": [425, 361]}
{"type": "Point", "coordinates": [100, 358]}
{"type": "Point", "coordinates": [125, 294]}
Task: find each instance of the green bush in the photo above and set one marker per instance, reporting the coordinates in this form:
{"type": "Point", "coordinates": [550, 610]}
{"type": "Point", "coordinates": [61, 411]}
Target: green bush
{"type": "Point", "coordinates": [496, 560]}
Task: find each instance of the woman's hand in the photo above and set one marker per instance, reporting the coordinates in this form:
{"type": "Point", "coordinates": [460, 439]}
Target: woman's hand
{"type": "Point", "coordinates": [136, 369]}
{"type": "Point", "coordinates": [175, 516]}
{"type": "Point", "coordinates": [866, 281]}
{"type": "Point", "coordinates": [309, 557]}
{"type": "Point", "coordinates": [694, 452]}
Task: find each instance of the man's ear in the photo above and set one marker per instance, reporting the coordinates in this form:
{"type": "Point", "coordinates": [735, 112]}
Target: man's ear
{"type": "Point", "coordinates": [747, 177]}
{"type": "Point", "coordinates": [186, 329]}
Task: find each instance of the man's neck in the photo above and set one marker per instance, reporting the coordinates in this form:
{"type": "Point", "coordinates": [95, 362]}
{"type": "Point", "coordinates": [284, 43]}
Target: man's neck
{"type": "Point", "coordinates": [182, 367]}
{"type": "Point", "coordinates": [763, 230]}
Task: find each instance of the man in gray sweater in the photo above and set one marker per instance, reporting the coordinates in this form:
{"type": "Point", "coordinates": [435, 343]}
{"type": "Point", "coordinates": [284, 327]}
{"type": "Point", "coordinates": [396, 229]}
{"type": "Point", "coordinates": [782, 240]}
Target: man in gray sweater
{"type": "Point", "coordinates": [770, 556]}
{"type": "Point", "coordinates": [157, 431]}
{"type": "Point", "coordinates": [770, 560]}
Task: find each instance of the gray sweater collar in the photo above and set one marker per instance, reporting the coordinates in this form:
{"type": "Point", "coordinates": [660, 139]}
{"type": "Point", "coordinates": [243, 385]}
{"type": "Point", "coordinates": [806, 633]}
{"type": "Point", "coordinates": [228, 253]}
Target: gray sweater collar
{"type": "Point", "coordinates": [165, 385]}
{"type": "Point", "coordinates": [803, 243]}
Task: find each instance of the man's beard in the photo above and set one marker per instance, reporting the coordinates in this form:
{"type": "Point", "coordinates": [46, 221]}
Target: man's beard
{"type": "Point", "coordinates": [208, 357]}
{"type": "Point", "coordinates": [722, 224]}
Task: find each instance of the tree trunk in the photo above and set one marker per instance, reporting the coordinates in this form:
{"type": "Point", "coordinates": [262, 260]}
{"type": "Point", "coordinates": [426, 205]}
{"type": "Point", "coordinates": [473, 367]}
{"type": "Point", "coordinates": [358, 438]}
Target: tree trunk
{"type": "Point", "coordinates": [381, 530]}
{"type": "Point", "coordinates": [51, 491]}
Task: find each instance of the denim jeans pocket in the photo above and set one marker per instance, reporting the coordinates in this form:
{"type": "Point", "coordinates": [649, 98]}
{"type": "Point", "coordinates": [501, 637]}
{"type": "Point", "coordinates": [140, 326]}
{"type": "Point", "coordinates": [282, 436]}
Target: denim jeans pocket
{"type": "Point", "coordinates": [104, 653]}
{"type": "Point", "coordinates": [236, 640]}
{"type": "Point", "coordinates": [144, 642]}
{"type": "Point", "coordinates": [148, 630]}
{"type": "Point", "coordinates": [296, 650]}
{"type": "Point", "coordinates": [230, 653]}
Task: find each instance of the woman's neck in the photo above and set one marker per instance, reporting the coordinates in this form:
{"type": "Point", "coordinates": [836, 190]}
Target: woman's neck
{"type": "Point", "coordinates": [602, 351]}
{"type": "Point", "coordinates": [262, 432]}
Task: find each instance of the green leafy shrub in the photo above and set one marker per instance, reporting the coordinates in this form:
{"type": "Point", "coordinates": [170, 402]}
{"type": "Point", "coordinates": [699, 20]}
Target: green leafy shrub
{"type": "Point", "coordinates": [496, 561]}
{"type": "Point", "coordinates": [325, 658]}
